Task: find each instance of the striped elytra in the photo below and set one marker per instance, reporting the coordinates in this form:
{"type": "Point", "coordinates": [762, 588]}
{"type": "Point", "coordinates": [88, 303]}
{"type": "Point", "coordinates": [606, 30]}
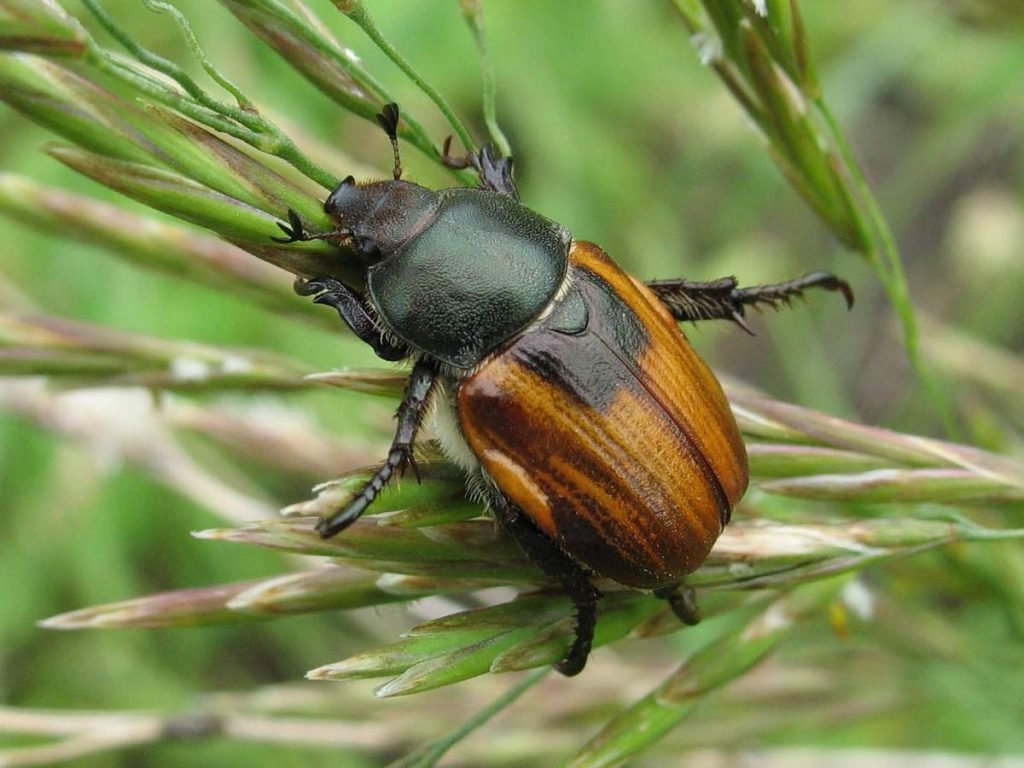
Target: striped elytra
{"type": "Point", "coordinates": [607, 430]}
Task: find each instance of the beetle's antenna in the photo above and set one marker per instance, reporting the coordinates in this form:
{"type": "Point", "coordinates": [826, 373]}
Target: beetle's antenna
{"type": "Point", "coordinates": [388, 119]}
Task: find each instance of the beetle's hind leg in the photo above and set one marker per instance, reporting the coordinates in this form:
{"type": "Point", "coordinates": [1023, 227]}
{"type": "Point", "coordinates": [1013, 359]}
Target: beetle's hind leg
{"type": "Point", "coordinates": [683, 602]}
{"type": "Point", "coordinates": [722, 300]}
{"type": "Point", "coordinates": [556, 565]}
{"type": "Point", "coordinates": [410, 415]}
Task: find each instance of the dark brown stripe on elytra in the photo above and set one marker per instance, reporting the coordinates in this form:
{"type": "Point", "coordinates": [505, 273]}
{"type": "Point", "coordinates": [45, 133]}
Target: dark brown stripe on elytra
{"type": "Point", "coordinates": [610, 494]}
{"type": "Point", "coordinates": [626, 542]}
{"type": "Point", "coordinates": [575, 366]}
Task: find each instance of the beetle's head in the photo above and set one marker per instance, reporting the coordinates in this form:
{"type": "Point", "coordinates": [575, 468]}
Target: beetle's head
{"type": "Point", "coordinates": [381, 215]}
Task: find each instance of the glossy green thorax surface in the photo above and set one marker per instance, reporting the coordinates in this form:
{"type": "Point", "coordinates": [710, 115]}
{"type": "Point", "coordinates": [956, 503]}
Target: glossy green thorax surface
{"type": "Point", "coordinates": [482, 271]}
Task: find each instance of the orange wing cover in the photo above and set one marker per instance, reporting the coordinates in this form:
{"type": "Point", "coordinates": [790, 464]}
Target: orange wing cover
{"type": "Point", "coordinates": [606, 429]}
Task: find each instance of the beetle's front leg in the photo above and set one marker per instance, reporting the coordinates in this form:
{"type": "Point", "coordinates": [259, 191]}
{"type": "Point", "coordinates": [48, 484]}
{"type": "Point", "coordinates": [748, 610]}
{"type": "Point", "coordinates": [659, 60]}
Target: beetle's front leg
{"type": "Point", "coordinates": [410, 415]}
{"type": "Point", "coordinates": [353, 312]}
{"type": "Point", "coordinates": [556, 565]}
{"type": "Point", "coordinates": [722, 300]}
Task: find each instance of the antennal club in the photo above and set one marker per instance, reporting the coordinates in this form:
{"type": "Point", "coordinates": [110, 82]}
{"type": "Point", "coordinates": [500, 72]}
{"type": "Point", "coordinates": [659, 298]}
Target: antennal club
{"type": "Point", "coordinates": [388, 119]}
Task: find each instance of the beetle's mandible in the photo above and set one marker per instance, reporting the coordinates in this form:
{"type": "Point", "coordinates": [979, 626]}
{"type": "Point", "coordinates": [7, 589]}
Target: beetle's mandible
{"type": "Point", "coordinates": [595, 434]}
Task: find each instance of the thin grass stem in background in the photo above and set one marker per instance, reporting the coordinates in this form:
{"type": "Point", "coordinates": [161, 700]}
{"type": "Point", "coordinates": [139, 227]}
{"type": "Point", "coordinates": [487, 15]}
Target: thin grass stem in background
{"type": "Point", "coordinates": [357, 12]}
{"type": "Point", "coordinates": [473, 12]}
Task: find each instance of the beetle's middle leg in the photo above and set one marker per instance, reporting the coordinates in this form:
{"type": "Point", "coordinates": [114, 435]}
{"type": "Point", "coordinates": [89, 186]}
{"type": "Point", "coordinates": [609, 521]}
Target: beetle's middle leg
{"type": "Point", "coordinates": [556, 564]}
{"type": "Point", "coordinates": [410, 415]}
{"type": "Point", "coordinates": [722, 300]}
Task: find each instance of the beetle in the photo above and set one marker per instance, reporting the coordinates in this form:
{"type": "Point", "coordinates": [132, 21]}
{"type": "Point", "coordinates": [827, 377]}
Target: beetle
{"type": "Point", "coordinates": [584, 420]}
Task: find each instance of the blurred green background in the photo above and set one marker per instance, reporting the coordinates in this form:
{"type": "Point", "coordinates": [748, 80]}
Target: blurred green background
{"type": "Point", "coordinates": [619, 133]}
